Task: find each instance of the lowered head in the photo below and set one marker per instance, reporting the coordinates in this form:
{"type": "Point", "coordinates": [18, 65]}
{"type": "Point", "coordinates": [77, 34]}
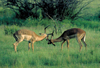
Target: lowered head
{"type": "Point", "coordinates": [50, 42]}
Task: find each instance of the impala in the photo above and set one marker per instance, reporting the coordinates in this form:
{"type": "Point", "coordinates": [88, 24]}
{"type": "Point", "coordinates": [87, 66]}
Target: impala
{"type": "Point", "coordinates": [77, 33]}
{"type": "Point", "coordinates": [29, 36]}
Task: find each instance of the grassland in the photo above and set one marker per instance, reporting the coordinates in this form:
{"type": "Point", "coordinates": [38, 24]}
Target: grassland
{"type": "Point", "coordinates": [48, 56]}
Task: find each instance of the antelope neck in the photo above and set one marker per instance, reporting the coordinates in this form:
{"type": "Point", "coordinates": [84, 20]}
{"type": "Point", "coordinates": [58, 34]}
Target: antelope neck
{"type": "Point", "coordinates": [40, 37]}
{"type": "Point", "coordinates": [57, 39]}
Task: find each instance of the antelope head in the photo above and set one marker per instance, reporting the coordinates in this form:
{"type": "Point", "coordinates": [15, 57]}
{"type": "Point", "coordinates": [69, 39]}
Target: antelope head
{"type": "Point", "coordinates": [50, 40]}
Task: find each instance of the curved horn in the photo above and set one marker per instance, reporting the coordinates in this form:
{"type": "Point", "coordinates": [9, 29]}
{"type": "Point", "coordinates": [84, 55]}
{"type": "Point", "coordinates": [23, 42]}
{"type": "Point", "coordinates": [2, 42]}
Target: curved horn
{"type": "Point", "coordinates": [55, 28]}
{"type": "Point", "coordinates": [52, 34]}
{"type": "Point", "coordinates": [45, 28]}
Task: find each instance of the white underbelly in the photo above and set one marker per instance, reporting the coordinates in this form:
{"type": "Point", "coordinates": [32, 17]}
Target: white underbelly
{"type": "Point", "coordinates": [27, 37]}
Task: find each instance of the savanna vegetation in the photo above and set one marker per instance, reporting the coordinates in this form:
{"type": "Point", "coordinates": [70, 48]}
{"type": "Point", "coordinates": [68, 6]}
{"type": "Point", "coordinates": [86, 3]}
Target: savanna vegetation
{"type": "Point", "coordinates": [60, 15]}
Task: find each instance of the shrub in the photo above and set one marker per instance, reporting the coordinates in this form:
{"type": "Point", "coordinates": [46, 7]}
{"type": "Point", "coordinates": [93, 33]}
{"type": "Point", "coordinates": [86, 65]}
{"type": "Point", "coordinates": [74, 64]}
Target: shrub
{"type": "Point", "coordinates": [9, 30]}
{"type": "Point", "coordinates": [87, 24]}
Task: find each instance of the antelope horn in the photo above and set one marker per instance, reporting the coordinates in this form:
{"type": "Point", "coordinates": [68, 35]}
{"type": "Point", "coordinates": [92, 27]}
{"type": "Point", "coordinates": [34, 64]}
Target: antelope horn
{"type": "Point", "coordinates": [45, 28]}
{"type": "Point", "coordinates": [55, 28]}
{"type": "Point", "coordinates": [52, 34]}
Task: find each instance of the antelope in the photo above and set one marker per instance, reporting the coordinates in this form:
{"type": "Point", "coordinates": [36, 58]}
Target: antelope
{"type": "Point", "coordinates": [77, 33]}
{"type": "Point", "coordinates": [29, 36]}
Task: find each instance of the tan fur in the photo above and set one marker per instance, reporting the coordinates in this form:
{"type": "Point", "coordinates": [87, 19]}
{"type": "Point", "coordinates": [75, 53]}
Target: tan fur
{"type": "Point", "coordinates": [27, 35]}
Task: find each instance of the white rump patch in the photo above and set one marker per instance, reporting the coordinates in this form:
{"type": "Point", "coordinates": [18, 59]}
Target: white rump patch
{"type": "Point", "coordinates": [84, 38]}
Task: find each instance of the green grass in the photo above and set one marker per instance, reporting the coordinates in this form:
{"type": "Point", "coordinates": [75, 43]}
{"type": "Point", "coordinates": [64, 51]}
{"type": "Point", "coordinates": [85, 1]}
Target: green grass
{"type": "Point", "coordinates": [48, 56]}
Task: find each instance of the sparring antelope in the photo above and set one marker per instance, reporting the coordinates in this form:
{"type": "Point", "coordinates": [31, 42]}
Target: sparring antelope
{"type": "Point", "coordinates": [77, 33]}
{"type": "Point", "coordinates": [29, 36]}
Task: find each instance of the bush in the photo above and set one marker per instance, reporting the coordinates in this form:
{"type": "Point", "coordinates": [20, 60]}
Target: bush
{"type": "Point", "coordinates": [87, 24]}
{"type": "Point", "coordinates": [9, 30]}
{"type": "Point", "coordinates": [35, 22]}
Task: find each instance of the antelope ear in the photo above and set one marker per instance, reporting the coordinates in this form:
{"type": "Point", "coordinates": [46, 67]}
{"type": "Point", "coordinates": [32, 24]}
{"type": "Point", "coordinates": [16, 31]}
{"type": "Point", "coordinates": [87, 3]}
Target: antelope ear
{"type": "Point", "coordinates": [40, 33]}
